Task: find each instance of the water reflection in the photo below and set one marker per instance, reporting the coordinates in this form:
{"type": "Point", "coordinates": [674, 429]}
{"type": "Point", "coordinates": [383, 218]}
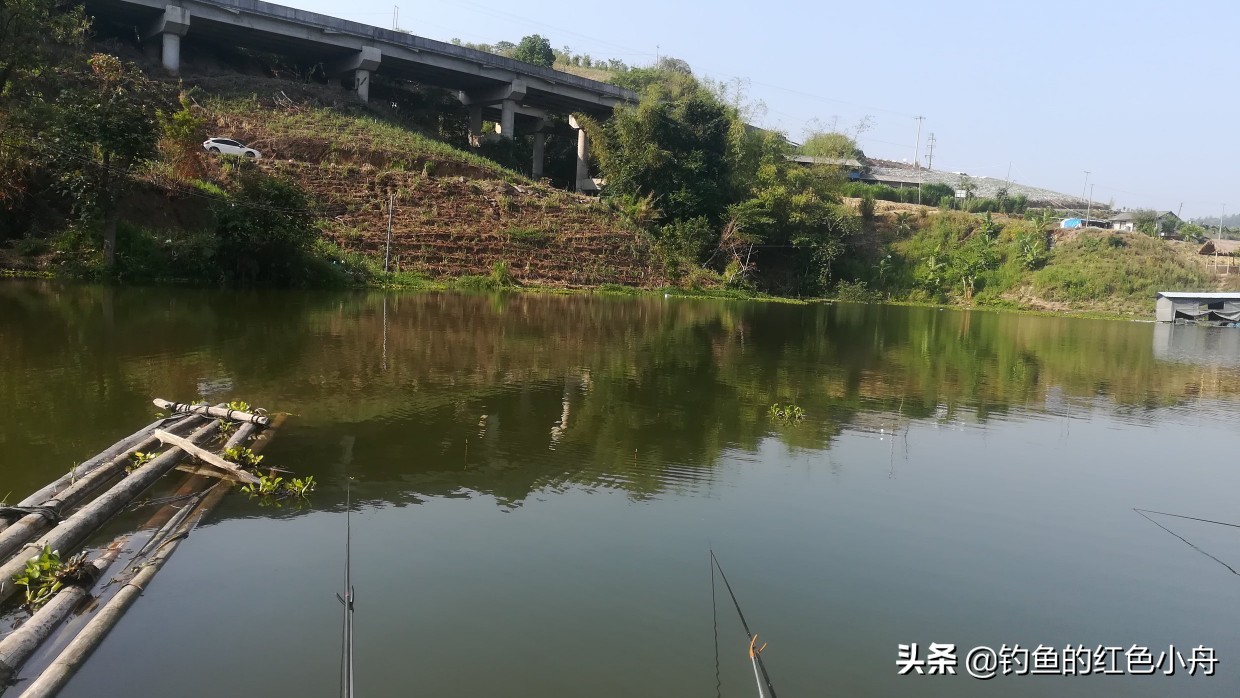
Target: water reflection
{"type": "Point", "coordinates": [1196, 344]}
{"type": "Point", "coordinates": [443, 394]}
{"type": "Point", "coordinates": [960, 477]}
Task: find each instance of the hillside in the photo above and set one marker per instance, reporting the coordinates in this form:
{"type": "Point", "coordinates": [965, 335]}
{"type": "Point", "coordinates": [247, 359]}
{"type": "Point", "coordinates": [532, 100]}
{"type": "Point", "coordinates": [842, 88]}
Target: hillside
{"type": "Point", "coordinates": [922, 254]}
{"type": "Point", "coordinates": [316, 209]}
{"type": "Point", "coordinates": [455, 213]}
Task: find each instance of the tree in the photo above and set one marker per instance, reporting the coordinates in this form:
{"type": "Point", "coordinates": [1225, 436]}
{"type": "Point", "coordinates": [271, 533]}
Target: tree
{"type": "Point", "coordinates": [103, 125]}
{"type": "Point", "coordinates": [673, 147]}
{"type": "Point", "coordinates": [32, 31]}
{"type": "Point", "coordinates": [34, 36]}
{"type": "Point", "coordinates": [674, 65]}
{"type": "Point", "coordinates": [263, 231]}
{"type": "Point", "coordinates": [535, 49]}
{"type": "Point", "coordinates": [831, 144]}
{"type": "Point", "coordinates": [968, 186]}
{"type": "Point", "coordinates": [794, 216]}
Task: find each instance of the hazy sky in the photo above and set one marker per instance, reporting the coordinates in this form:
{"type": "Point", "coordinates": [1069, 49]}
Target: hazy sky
{"type": "Point", "coordinates": [1141, 94]}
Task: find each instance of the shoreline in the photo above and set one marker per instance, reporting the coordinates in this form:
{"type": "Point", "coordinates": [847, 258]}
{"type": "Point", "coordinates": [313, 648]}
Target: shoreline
{"type": "Point", "coordinates": [614, 290]}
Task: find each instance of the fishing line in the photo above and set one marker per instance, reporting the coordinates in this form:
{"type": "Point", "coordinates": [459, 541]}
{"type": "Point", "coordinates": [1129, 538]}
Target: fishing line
{"type": "Point", "coordinates": [1190, 518]}
{"type": "Point", "coordinates": [1224, 564]}
{"type": "Point", "coordinates": [715, 618]}
{"type": "Point", "coordinates": [754, 653]}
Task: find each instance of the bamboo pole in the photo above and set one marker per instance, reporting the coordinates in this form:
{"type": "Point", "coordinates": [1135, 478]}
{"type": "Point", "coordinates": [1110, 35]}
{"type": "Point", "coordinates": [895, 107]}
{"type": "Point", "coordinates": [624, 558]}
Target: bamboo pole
{"type": "Point", "coordinates": [235, 415]}
{"type": "Point", "coordinates": [67, 663]}
{"type": "Point", "coordinates": [73, 530]}
{"type": "Point", "coordinates": [165, 542]}
{"type": "Point", "coordinates": [122, 446]}
{"type": "Point", "coordinates": [206, 456]}
{"type": "Point", "coordinates": [19, 645]}
{"type": "Point", "coordinates": [27, 527]}
{"type": "Point", "coordinates": [240, 436]}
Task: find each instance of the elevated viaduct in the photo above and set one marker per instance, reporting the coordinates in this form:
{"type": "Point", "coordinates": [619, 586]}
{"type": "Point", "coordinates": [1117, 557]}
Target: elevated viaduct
{"type": "Point", "coordinates": [508, 91]}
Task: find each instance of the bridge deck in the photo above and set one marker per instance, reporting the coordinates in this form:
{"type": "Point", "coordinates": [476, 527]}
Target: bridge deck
{"type": "Point", "coordinates": [312, 36]}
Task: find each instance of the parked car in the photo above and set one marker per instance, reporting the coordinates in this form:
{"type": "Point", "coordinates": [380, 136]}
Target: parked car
{"type": "Point", "coordinates": [227, 146]}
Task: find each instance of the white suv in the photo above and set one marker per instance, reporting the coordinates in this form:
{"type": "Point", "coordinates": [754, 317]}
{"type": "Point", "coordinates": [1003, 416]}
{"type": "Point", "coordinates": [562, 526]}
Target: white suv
{"type": "Point", "coordinates": [226, 146]}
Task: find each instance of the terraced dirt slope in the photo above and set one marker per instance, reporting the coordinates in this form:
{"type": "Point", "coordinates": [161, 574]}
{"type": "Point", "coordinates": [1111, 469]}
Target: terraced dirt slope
{"type": "Point", "coordinates": [453, 226]}
{"type": "Point", "coordinates": [455, 213]}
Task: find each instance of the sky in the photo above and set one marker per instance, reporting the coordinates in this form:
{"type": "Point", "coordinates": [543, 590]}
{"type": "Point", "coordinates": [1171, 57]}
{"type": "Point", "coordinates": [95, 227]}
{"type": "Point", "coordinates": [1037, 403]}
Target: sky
{"type": "Point", "coordinates": [1141, 95]}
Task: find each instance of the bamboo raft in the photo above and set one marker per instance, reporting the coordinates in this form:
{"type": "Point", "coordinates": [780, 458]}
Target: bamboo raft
{"type": "Point", "coordinates": [64, 514]}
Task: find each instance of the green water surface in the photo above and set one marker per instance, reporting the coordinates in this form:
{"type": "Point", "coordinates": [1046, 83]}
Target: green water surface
{"type": "Point", "coordinates": [538, 479]}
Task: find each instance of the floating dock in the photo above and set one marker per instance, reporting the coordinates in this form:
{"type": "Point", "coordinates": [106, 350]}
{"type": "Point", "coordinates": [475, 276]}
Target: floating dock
{"type": "Point", "coordinates": [201, 442]}
{"type": "Point", "coordinates": [1219, 308]}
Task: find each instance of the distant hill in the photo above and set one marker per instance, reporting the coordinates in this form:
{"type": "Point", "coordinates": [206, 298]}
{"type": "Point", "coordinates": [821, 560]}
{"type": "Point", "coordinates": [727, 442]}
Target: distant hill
{"type": "Point", "coordinates": [1232, 221]}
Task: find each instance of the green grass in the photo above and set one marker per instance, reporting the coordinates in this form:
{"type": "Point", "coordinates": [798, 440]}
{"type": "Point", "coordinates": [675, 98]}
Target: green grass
{"type": "Point", "coordinates": [350, 133]}
{"type": "Point", "coordinates": [357, 269]}
{"type": "Point", "coordinates": [526, 235]}
{"type": "Point", "coordinates": [1130, 268]}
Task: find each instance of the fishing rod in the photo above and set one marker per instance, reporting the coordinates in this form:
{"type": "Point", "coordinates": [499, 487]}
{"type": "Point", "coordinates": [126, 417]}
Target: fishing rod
{"type": "Point", "coordinates": [346, 650]}
{"type": "Point", "coordinates": [760, 675]}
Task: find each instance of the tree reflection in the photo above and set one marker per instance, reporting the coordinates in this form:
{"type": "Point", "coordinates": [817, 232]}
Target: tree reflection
{"type": "Point", "coordinates": [445, 394]}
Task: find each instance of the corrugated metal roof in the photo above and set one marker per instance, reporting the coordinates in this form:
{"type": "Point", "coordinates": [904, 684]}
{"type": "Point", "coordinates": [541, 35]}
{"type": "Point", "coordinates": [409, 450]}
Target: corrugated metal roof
{"type": "Point", "coordinates": [1204, 295]}
{"type": "Point", "coordinates": [813, 160]}
{"type": "Point", "coordinates": [1132, 216]}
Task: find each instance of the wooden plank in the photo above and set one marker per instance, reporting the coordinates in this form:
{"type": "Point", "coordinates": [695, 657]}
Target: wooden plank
{"type": "Point", "coordinates": [206, 456]}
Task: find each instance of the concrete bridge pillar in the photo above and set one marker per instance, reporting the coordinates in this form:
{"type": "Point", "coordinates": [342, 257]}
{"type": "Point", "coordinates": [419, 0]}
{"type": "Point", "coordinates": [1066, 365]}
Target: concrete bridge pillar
{"type": "Point", "coordinates": [508, 119]}
{"type": "Point", "coordinates": [584, 182]}
{"type": "Point", "coordinates": [540, 146]}
{"type": "Point", "coordinates": [508, 97]}
{"type": "Point", "coordinates": [170, 27]}
{"type": "Point", "coordinates": [361, 84]}
{"type": "Point", "coordinates": [475, 125]}
{"type": "Point", "coordinates": [356, 70]}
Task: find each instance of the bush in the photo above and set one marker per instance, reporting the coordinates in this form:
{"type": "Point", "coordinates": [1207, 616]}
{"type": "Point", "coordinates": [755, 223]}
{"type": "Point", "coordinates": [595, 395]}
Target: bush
{"type": "Point", "coordinates": [866, 208]}
{"type": "Point", "coordinates": [689, 238]}
{"type": "Point", "coordinates": [263, 231]}
{"type": "Point", "coordinates": [856, 292]}
{"type": "Point", "coordinates": [31, 247]}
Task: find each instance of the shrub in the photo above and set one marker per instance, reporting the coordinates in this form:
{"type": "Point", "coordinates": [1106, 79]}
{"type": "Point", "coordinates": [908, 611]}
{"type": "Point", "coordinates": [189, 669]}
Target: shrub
{"type": "Point", "coordinates": [856, 292]}
{"type": "Point", "coordinates": [31, 247]}
{"type": "Point", "coordinates": [866, 208]}
{"type": "Point", "coordinates": [263, 232]}
{"type": "Point", "coordinates": [689, 238]}
{"type": "Point", "coordinates": [500, 274]}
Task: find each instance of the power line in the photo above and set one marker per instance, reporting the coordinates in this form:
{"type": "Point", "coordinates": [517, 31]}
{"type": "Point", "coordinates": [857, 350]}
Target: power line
{"type": "Point", "coordinates": [165, 182]}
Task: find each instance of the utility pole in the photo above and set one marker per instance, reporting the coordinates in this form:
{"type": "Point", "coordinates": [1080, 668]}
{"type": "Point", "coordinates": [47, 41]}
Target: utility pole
{"type": "Point", "coordinates": [930, 152]}
{"type": "Point", "coordinates": [917, 156]}
{"type": "Point", "coordinates": [1085, 185]}
{"type": "Point", "coordinates": [387, 255]}
{"type": "Point", "coordinates": [395, 18]}
{"type": "Point", "coordinates": [917, 145]}
{"type": "Point", "coordinates": [1220, 221]}
{"type": "Point", "coordinates": [1089, 208]}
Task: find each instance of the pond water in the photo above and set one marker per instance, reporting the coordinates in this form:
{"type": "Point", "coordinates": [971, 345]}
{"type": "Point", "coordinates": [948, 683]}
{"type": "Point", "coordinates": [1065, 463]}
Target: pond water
{"type": "Point", "coordinates": [538, 481]}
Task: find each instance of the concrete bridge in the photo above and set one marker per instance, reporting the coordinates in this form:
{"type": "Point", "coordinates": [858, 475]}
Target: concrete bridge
{"type": "Point", "coordinates": [509, 92]}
